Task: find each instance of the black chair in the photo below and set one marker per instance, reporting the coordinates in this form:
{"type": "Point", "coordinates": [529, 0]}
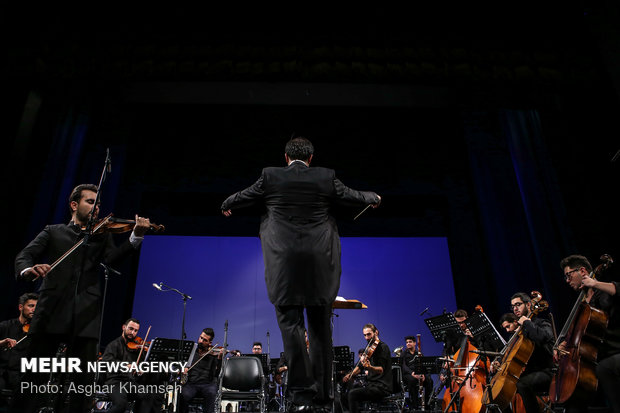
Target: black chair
{"type": "Point", "coordinates": [396, 399]}
{"type": "Point", "coordinates": [242, 379]}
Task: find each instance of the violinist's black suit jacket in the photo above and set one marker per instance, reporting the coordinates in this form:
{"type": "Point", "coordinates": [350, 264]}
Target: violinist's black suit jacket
{"type": "Point", "coordinates": [70, 295]}
{"type": "Point", "coordinates": [300, 242]}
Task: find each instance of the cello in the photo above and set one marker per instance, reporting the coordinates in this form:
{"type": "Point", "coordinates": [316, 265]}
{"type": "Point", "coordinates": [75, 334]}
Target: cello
{"type": "Point", "coordinates": [581, 335]}
{"type": "Point", "coordinates": [471, 391]}
{"type": "Point", "coordinates": [516, 354]}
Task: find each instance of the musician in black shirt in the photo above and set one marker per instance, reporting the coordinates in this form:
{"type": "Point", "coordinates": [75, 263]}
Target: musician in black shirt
{"type": "Point", "coordinates": [11, 332]}
{"type": "Point", "coordinates": [603, 296]}
{"type": "Point", "coordinates": [415, 380]}
{"type": "Point", "coordinates": [203, 373]}
{"type": "Point", "coordinates": [379, 366]}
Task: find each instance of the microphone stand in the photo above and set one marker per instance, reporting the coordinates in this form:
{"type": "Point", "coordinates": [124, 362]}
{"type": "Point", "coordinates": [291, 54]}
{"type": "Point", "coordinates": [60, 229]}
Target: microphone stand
{"type": "Point", "coordinates": [106, 269]}
{"type": "Point", "coordinates": [185, 298]}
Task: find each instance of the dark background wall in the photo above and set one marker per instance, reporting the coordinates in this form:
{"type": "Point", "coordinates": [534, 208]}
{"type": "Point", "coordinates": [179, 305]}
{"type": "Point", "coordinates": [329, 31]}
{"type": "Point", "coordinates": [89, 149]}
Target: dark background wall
{"type": "Point", "coordinates": [496, 132]}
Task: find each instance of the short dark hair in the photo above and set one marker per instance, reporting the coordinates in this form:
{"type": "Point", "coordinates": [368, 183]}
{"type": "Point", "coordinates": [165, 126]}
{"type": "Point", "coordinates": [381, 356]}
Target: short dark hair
{"type": "Point", "coordinates": [461, 313]}
{"type": "Point", "coordinates": [409, 338]}
{"type": "Point", "coordinates": [510, 317]}
{"type": "Point", "coordinates": [76, 194]}
{"type": "Point", "coordinates": [130, 319]}
{"type": "Point", "coordinates": [523, 296]}
{"type": "Point", "coordinates": [299, 148]}
{"type": "Point", "coordinates": [257, 343]}
{"type": "Point", "coordinates": [28, 296]}
{"type": "Point", "coordinates": [576, 261]}
{"type": "Point", "coordinates": [209, 331]}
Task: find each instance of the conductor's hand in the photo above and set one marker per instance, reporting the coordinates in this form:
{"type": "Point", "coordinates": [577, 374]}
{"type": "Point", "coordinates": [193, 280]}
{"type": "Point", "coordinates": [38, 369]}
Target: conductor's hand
{"type": "Point", "coordinates": [142, 226]}
{"type": "Point", "coordinates": [227, 212]}
{"type": "Point", "coordinates": [36, 271]}
{"type": "Point", "coordinates": [377, 203]}
{"type": "Point", "coordinates": [7, 343]}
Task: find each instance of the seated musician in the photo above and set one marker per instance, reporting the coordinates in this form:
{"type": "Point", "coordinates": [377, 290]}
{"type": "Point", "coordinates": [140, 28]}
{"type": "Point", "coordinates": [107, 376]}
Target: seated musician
{"type": "Point", "coordinates": [453, 342]}
{"type": "Point", "coordinates": [204, 372]}
{"type": "Point", "coordinates": [379, 366]}
{"type": "Point", "coordinates": [508, 321]}
{"type": "Point", "coordinates": [414, 380]}
{"type": "Point", "coordinates": [11, 332]}
{"type": "Point", "coordinates": [603, 296]}
{"type": "Point", "coordinates": [126, 385]}
{"type": "Point", "coordinates": [537, 375]}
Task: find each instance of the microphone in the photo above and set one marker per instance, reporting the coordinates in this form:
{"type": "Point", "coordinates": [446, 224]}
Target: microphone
{"type": "Point", "coordinates": [267, 333]}
{"type": "Point", "coordinates": [158, 286]}
{"type": "Point", "coordinates": [423, 312]}
{"type": "Point", "coordinates": [486, 353]}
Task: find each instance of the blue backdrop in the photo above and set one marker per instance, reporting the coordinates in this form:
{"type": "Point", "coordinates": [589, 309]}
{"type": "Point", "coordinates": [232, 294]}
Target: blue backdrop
{"type": "Point", "coordinates": [397, 278]}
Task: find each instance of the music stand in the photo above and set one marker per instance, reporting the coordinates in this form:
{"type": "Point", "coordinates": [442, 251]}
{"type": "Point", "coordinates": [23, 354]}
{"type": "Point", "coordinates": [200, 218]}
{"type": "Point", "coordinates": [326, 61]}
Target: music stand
{"type": "Point", "coordinates": [442, 325]}
{"type": "Point", "coordinates": [264, 361]}
{"type": "Point", "coordinates": [427, 364]}
{"type": "Point", "coordinates": [167, 349]}
{"type": "Point", "coordinates": [485, 332]}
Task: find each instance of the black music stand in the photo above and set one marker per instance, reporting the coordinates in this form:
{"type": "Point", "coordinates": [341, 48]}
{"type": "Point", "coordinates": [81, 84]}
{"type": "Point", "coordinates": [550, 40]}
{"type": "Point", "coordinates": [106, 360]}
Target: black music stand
{"type": "Point", "coordinates": [343, 361]}
{"type": "Point", "coordinates": [442, 326]}
{"type": "Point", "coordinates": [167, 349]}
{"type": "Point", "coordinates": [485, 333]}
{"type": "Point", "coordinates": [427, 364]}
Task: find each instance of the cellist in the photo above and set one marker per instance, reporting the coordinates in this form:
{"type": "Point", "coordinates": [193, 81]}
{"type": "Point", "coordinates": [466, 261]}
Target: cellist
{"type": "Point", "coordinates": [536, 376]}
{"type": "Point", "coordinates": [603, 296]}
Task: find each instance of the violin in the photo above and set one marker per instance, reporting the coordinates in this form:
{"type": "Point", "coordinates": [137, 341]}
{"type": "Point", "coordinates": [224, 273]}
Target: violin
{"type": "Point", "coordinates": [120, 225]}
{"type": "Point", "coordinates": [363, 360]}
{"type": "Point", "coordinates": [107, 224]}
{"type": "Point", "coordinates": [137, 344]}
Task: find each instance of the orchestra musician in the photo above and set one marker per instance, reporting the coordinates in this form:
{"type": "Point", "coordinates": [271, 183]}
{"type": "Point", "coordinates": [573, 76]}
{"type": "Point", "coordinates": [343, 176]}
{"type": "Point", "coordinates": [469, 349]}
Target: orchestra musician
{"type": "Point", "coordinates": [377, 360]}
{"type": "Point", "coordinates": [603, 296]}
{"type": "Point", "coordinates": [203, 375]}
{"type": "Point", "coordinates": [414, 380]}
{"type": "Point", "coordinates": [11, 333]}
{"type": "Point", "coordinates": [537, 375]}
{"type": "Point", "coordinates": [508, 321]}
{"type": "Point", "coordinates": [125, 348]}
{"type": "Point", "coordinates": [257, 347]}
{"type": "Point", "coordinates": [69, 306]}
{"type": "Point", "coordinates": [301, 250]}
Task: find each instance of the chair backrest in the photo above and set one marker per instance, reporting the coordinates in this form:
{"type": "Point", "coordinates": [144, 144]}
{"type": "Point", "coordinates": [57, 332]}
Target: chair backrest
{"type": "Point", "coordinates": [242, 374]}
{"type": "Point", "coordinates": [397, 380]}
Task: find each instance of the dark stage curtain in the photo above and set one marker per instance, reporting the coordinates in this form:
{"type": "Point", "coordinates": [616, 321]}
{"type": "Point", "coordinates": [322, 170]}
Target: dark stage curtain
{"type": "Point", "coordinates": [522, 220]}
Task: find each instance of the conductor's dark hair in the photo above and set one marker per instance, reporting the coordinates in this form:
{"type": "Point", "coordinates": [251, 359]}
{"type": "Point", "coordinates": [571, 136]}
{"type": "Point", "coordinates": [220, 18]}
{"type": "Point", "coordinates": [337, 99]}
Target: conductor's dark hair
{"type": "Point", "coordinates": [28, 296]}
{"type": "Point", "coordinates": [299, 148]}
{"type": "Point", "coordinates": [209, 331]}
{"type": "Point", "coordinates": [576, 261]}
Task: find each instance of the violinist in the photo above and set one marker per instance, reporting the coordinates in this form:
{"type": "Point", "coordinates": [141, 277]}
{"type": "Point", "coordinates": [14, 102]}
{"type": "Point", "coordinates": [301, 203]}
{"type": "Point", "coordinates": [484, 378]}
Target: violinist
{"type": "Point", "coordinates": [415, 379]}
{"type": "Point", "coordinates": [69, 308]}
{"type": "Point", "coordinates": [124, 348]}
{"type": "Point", "coordinates": [203, 373]}
{"type": "Point", "coordinates": [377, 360]}
{"type": "Point", "coordinates": [603, 296]}
{"type": "Point", "coordinates": [11, 333]}
{"type": "Point", "coordinates": [536, 377]}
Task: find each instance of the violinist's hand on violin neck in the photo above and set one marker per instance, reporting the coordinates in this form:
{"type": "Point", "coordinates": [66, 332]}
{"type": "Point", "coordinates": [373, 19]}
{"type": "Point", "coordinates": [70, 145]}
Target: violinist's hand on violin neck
{"type": "Point", "coordinates": [142, 226]}
{"type": "Point", "coordinates": [37, 270]}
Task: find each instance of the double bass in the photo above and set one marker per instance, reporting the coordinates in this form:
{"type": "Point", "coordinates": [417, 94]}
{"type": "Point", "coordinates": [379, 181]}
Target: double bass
{"type": "Point", "coordinates": [516, 354]}
{"type": "Point", "coordinates": [582, 335]}
{"type": "Point", "coordinates": [471, 392]}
